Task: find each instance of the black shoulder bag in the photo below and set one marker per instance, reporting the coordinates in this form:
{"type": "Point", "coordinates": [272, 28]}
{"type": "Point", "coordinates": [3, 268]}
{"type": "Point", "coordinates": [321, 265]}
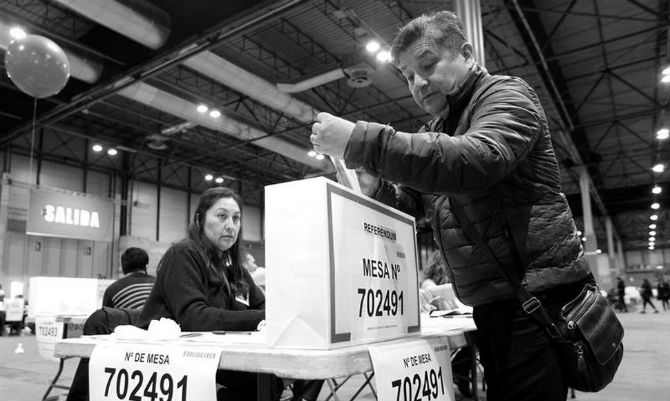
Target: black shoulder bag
{"type": "Point", "coordinates": [588, 335]}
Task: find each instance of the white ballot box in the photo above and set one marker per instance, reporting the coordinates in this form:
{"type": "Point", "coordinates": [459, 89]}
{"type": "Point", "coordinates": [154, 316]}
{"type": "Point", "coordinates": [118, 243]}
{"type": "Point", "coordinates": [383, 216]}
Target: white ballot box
{"type": "Point", "coordinates": [341, 267]}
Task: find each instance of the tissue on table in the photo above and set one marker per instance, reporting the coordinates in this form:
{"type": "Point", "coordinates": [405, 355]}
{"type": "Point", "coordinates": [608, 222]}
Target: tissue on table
{"type": "Point", "coordinates": [163, 329]}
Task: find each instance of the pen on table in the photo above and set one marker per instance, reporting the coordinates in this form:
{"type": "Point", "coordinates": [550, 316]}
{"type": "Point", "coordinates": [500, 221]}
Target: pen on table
{"type": "Point", "coordinates": [192, 334]}
{"type": "Point", "coordinates": [231, 332]}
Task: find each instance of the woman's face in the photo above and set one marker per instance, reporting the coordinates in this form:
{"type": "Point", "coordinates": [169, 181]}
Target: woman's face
{"type": "Point", "coordinates": [222, 223]}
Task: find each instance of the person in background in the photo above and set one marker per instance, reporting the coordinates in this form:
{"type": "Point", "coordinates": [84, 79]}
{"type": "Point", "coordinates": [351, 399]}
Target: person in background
{"type": "Point", "coordinates": [621, 293]}
{"type": "Point", "coordinates": [646, 294]}
{"type": "Point", "coordinates": [202, 285]}
{"type": "Point", "coordinates": [435, 272]}
{"type": "Point", "coordinates": [257, 272]}
{"type": "Point", "coordinates": [488, 148]}
{"type": "Point", "coordinates": [663, 293]}
{"type": "Point", "coordinates": [132, 290]}
{"type": "Point", "coordinates": [2, 311]}
{"type": "Point", "coordinates": [121, 304]}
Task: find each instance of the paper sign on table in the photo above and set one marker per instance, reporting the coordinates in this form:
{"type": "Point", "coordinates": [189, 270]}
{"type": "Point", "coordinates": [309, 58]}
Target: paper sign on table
{"type": "Point", "coordinates": [341, 267]}
{"type": "Point", "coordinates": [413, 371]}
{"type": "Point", "coordinates": [50, 329]}
{"type": "Point", "coordinates": [149, 372]}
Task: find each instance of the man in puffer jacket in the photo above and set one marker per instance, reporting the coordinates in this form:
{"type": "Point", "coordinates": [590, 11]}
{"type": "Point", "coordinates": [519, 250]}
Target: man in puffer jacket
{"type": "Point", "coordinates": [488, 148]}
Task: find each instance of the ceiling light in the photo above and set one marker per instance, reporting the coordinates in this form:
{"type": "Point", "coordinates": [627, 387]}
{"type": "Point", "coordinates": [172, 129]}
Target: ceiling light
{"type": "Point", "coordinates": [656, 190]}
{"type": "Point", "coordinates": [311, 153]}
{"type": "Point", "coordinates": [209, 177]}
{"type": "Point", "coordinates": [653, 217]}
{"type": "Point", "coordinates": [584, 239]}
{"type": "Point", "coordinates": [651, 247]}
{"type": "Point", "coordinates": [579, 232]}
{"type": "Point", "coordinates": [652, 239]}
{"type": "Point", "coordinates": [662, 134]}
{"type": "Point", "coordinates": [97, 148]}
{"type": "Point", "coordinates": [599, 251]}
{"type": "Point", "coordinates": [215, 113]}
{"type": "Point", "coordinates": [17, 33]}
{"type": "Point", "coordinates": [658, 168]}
{"type": "Point", "coordinates": [665, 79]}
{"type": "Point", "coordinates": [666, 70]}
{"type": "Point", "coordinates": [202, 109]}
{"type": "Point", "coordinates": [652, 226]}
{"type": "Point", "coordinates": [655, 205]}
{"type": "Point", "coordinates": [319, 157]}
{"type": "Point", "coordinates": [218, 180]}
{"type": "Point", "coordinates": [112, 152]}
{"type": "Point", "coordinates": [372, 46]}
{"type": "Point", "coordinates": [652, 233]}
{"type": "Point", "coordinates": [384, 56]}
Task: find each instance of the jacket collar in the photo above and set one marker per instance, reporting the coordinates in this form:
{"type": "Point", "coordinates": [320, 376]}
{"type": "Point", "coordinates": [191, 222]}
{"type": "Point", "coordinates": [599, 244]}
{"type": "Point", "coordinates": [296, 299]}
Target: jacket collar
{"type": "Point", "coordinates": [459, 101]}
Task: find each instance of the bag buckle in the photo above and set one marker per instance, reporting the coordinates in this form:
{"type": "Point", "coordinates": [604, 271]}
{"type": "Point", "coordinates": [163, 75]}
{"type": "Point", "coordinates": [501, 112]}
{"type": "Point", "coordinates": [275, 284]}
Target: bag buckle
{"type": "Point", "coordinates": [531, 305]}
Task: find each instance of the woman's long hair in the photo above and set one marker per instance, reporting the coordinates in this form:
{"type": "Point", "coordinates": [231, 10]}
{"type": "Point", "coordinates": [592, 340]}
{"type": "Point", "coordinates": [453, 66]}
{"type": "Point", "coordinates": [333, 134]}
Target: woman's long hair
{"type": "Point", "coordinates": [219, 262]}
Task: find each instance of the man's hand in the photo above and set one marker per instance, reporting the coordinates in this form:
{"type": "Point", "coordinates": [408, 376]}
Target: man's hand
{"type": "Point", "coordinates": [330, 135]}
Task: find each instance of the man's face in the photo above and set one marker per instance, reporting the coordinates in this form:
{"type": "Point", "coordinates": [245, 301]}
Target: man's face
{"type": "Point", "coordinates": [433, 72]}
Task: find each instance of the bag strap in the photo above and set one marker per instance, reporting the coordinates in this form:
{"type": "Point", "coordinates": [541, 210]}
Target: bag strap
{"type": "Point", "coordinates": [530, 304]}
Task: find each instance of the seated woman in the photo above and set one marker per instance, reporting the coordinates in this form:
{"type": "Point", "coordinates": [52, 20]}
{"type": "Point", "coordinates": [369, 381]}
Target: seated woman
{"type": "Point", "coordinates": [202, 285]}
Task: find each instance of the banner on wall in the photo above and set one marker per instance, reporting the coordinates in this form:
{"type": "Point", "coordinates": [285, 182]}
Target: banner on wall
{"type": "Point", "coordinates": [68, 215]}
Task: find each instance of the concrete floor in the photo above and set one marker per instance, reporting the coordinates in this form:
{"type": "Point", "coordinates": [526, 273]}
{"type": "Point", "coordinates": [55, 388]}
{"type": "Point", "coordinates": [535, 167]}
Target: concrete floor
{"type": "Point", "coordinates": [644, 374]}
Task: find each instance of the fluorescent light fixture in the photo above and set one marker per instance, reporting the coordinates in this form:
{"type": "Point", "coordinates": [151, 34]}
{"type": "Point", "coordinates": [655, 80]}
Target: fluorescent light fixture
{"type": "Point", "coordinates": [653, 217]}
{"type": "Point", "coordinates": [652, 233]}
{"type": "Point", "coordinates": [215, 113]}
{"type": "Point", "coordinates": [666, 70]}
{"type": "Point", "coordinates": [311, 153]}
{"type": "Point", "coordinates": [655, 205]}
{"type": "Point", "coordinates": [652, 239]}
{"type": "Point", "coordinates": [372, 46]}
{"type": "Point", "coordinates": [209, 177]}
{"type": "Point", "coordinates": [652, 226]}
{"type": "Point", "coordinates": [202, 109]}
{"type": "Point", "coordinates": [319, 157]}
{"type": "Point", "coordinates": [384, 56]}
{"type": "Point", "coordinates": [656, 190]}
{"type": "Point", "coordinates": [218, 180]}
{"type": "Point", "coordinates": [663, 134]}
{"type": "Point", "coordinates": [97, 148]}
{"type": "Point", "coordinates": [665, 79]}
{"type": "Point", "coordinates": [17, 32]}
{"type": "Point", "coordinates": [112, 152]}
{"type": "Point", "coordinates": [658, 168]}
{"type": "Point", "coordinates": [598, 251]}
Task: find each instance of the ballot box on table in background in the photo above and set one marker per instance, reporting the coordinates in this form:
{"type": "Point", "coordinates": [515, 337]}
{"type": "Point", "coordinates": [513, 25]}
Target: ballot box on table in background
{"type": "Point", "coordinates": [341, 267]}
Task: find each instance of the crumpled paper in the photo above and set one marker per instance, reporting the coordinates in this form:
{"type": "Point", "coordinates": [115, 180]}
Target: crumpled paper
{"type": "Point", "coordinates": [163, 329]}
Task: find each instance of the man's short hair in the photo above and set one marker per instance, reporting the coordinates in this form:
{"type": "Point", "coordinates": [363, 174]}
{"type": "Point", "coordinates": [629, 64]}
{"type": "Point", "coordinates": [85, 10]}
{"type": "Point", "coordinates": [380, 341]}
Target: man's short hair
{"type": "Point", "coordinates": [134, 259]}
{"type": "Point", "coordinates": [443, 27]}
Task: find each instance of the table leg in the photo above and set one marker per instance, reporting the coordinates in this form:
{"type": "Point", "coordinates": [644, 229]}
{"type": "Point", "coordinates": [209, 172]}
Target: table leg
{"type": "Point", "coordinates": [55, 379]}
{"type": "Point", "coordinates": [264, 386]}
{"type": "Point", "coordinates": [473, 369]}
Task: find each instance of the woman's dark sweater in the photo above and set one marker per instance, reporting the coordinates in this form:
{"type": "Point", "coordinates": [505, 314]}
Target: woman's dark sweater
{"type": "Point", "coordinates": [190, 293]}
